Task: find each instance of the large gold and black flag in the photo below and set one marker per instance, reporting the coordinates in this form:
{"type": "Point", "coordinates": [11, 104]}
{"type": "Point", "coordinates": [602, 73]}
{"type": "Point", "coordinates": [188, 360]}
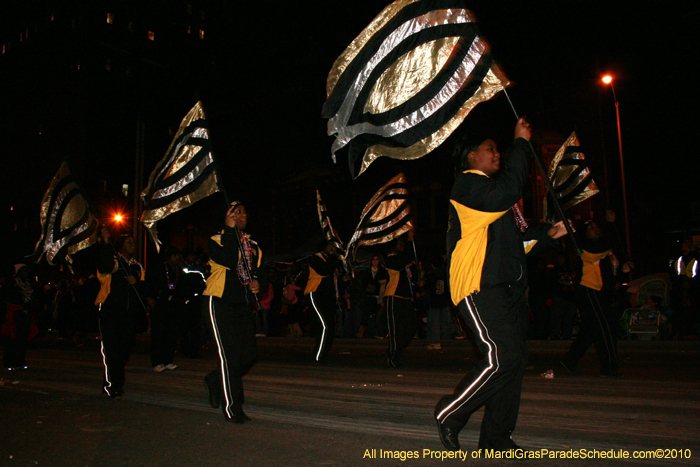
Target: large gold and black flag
{"type": "Point", "coordinates": [187, 173]}
{"type": "Point", "coordinates": [408, 81]}
{"type": "Point", "coordinates": [570, 175]}
{"type": "Point", "coordinates": [329, 233]}
{"type": "Point", "coordinates": [67, 224]}
{"type": "Point", "coordinates": [386, 216]}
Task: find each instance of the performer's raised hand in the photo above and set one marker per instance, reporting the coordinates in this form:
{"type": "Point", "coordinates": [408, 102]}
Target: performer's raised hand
{"type": "Point", "coordinates": [558, 230]}
{"type": "Point", "coordinates": [230, 217]}
{"type": "Point", "coordinates": [104, 234]}
{"type": "Point", "coordinates": [522, 129]}
{"type": "Point", "coordinates": [236, 216]}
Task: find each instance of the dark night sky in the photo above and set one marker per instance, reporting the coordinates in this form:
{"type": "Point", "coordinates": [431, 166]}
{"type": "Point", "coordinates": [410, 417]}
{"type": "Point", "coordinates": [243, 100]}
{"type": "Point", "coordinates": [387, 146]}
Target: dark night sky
{"type": "Point", "coordinates": [266, 85]}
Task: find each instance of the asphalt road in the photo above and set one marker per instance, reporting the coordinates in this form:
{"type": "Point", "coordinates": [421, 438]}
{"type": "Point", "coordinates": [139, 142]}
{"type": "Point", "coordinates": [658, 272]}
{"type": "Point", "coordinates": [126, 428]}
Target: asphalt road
{"type": "Point", "coordinates": [356, 412]}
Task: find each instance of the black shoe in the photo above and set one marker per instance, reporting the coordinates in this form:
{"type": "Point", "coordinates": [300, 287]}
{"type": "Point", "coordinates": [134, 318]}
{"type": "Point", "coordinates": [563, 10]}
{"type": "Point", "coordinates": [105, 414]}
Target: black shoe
{"type": "Point", "coordinates": [239, 418]}
{"type": "Point", "coordinates": [246, 417]}
{"type": "Point", "coordinates": [502, 445]}
{"type": "Point", "coordinates": [213, 392]}
{"type": "Point", "coordinates": [113, 393]}
{"type": "Point", "coordinates": [448, 436]}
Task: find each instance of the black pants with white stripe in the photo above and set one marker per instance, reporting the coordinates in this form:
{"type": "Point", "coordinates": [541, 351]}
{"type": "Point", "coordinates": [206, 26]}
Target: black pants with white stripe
{"type": "Point", "coordinates": [118, 336]}
{"type": "Point", "coordinates": [324, 307]}
{"type": "Point", "coordinates": [401, 325]}
{"type": "Point", "coordinates": [497, 318]}
{"type": "Point", "coordinates": [597, 328]}
{"type": "Point", "coordinates": [233, 328]}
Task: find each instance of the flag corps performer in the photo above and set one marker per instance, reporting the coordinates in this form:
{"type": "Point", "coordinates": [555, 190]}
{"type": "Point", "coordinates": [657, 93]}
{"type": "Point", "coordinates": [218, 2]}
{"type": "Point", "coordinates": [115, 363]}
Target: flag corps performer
{"type": "Point", "coordinates": [487, 241]}
{"type": "Point", "coordinates": [235, 277]}
{"type": "Point", "coordinates": [322, 290]}
{"type": "Point", "coordinates": [122, 284]}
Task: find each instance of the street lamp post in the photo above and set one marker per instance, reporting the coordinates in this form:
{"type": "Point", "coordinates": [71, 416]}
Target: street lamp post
{"type": "Point", "coordinates": [607, 79]}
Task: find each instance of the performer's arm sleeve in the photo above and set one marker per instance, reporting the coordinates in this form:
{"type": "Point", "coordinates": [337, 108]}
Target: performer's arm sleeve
{"type": "Point", "coordinates": [261, 274]}
{"type": "Point", "coordinates": [321, 267]}
{"type": "Point", "coordinates": [399, 261]}
{"type": "Point", "coordinates": [227, 253]}
{"type": "Point", "coordinates": [543, 242]}
{"type": "Point", "coordinates": [105, 260]}
{"type": "Point", "coordinates": [500, 193]}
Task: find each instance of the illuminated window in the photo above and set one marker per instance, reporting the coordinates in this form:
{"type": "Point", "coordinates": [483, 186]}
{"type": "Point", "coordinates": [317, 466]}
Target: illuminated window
{"type": "Point", "coordinates": [3, 48]}
{"type": "Point", "coordinates": [189, 29]}
{"type": "Point", "coordinates": [51, 17]}
{"type": "Point", "coordinates": [151, 35]}
{"type": "Point", "coordinates": [21, 37]}
{"type": "Point", "coordinates": [201, 34]}
{"type": "Point", "coordinates": [110, 18]}
{"type": "Point", "coordinates": [125, 189]}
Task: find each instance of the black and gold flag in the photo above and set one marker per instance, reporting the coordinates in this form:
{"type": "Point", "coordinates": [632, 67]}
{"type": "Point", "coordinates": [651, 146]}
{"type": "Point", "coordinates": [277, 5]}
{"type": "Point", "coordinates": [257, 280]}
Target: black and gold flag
{"type": "Point", "coordinates": [570, 176]}
{"type": "Point", "coordinates": [408, 81]}
{"type": "Point", "coordinates": [187, 173]}
{"type": "Point", "coordinates": [329, 233]}
{"type": "Point", "coordinates": [67, 224]}
{"type": "Point", "coordinates": [386, 217]}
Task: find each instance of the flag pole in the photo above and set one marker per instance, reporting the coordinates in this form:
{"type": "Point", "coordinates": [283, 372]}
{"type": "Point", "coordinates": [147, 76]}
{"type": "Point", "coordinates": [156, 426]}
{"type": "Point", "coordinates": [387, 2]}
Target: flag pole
{"type": "Point", "coordinates": [244, 258]}
{"type": "Point", "coordinates": [548, 184]}
{"type": "Point", "coordinates": [415, 254]}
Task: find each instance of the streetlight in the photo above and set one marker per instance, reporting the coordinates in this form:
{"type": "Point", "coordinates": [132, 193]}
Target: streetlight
{"type": "Point", "coordinates": [607, 79]}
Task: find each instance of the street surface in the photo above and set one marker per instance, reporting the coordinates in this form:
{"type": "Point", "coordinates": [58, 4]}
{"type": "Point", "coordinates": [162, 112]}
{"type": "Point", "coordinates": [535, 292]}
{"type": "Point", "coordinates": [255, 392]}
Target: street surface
{"type": "Point", "coordinates": [355, 412]}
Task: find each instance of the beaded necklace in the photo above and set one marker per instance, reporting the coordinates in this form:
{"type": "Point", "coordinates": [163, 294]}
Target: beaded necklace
{"type": "Point", "coordinates": [131, 262]}
{"type": "Point", "coordinates": [247, 256]}
{"type": "Point", "coordinates": [519, 218]}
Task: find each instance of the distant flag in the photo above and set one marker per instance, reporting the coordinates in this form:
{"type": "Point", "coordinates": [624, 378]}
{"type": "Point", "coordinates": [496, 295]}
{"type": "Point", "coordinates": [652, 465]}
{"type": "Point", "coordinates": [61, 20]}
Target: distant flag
{"type": "Point", "coordinates": [329, 233]}
{"type": "Point", "coordinates": [386, 217]}
{"type": "Point", "coordinates": [67, 225]}
{"type": "Point", "coordinates": [570, 176]}
{"type": "Point", "coordinates": [187, 173]}
{"type": "Point", "coordinates": [408, 81]}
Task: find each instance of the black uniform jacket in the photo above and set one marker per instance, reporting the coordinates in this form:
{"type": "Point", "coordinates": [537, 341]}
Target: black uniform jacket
{"type": "Point", "coordinates": [223, 282]}
{"type": "Point", "coordinates": [117, 295]}
{"type": "Point", "coordinates": [398, 267]}
{"type": "Point", "coordinates": [485, 247]}
{"type": "Point", "coordinates": [321, 270]}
